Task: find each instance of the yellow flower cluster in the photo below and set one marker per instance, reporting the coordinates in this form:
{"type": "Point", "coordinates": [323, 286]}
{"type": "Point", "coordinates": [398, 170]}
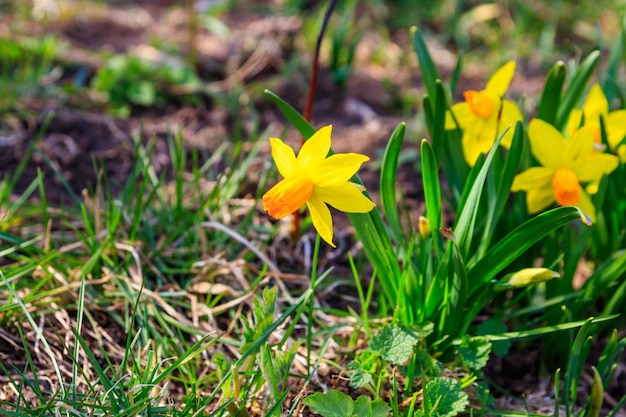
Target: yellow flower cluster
{"type": "Point", "coordinates": [567, 162]}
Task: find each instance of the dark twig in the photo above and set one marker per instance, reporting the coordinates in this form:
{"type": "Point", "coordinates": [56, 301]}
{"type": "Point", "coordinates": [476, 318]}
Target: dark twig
{"type": "Point", "coordinates": [308, 108]}
{"type": "Point", "coordinates": [310, 98]}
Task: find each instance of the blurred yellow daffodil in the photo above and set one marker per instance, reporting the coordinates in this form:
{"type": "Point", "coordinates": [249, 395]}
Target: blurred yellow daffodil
{"type": "Point", "coordinates": [485, 114]}
{"type": "Point", "coordinates": [596, 106]}
{"type": "Point", "coordinates": [566, 163]}
{"type": "Point", "coordinates": [316, 179]}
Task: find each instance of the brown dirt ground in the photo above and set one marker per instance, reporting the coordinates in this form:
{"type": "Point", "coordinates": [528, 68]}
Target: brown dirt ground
{"type": "Point", "coordinates": [363, 116]}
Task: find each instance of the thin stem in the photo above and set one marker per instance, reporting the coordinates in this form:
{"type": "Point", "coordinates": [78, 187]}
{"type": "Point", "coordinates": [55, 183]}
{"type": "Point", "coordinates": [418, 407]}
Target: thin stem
{"type": "Point", "coordinates": [309, 333]}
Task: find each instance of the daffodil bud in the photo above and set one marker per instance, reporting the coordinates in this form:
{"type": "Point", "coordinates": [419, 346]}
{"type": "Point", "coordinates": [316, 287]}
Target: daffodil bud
{"type": "Point", "coordinates": [423, 226]}
{"type": "Point", "coordinates": [529, 276]}
{"type": "Point", "coordinates": [597, 394]}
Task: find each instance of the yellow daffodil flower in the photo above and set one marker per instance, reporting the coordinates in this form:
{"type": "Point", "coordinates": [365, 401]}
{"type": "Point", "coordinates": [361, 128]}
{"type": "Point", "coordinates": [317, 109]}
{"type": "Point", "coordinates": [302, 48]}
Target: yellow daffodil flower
{"type": "Point", "coordinates": [485, 114]}
{"type": "Point", "coordinates": [316, 179]}
{"type": "Point", "coordinates": [566, 163]}
{"type": "Point", "coordinates": [596, 105]}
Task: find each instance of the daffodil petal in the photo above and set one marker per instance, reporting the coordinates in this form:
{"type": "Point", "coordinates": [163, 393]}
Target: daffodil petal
{"type": "Point", "coordinates": [337, 169]}
{"type": "Point", "coordinates": [345, 197]}
{"type": "Point", "coordinates": [594, 166]}
{"type": "Point", "coordinates": [615, 123]}
{"type": "Point", "coordinates": [462, 114]}
{"type": "Point", "coordinates": [500, 80]}
{"type": "Point", "coordinates": [538, 199]}
{"type": "Point", "coordinates": [621, 152]}
{"type": "Point", "coordinates": [580, 145]}
{"type": "Point", "coordinates": [287, 196]}
{"type": "Point", "coordinates": [510, 115]}
{"type": "Point", "coordinates": [315, 149]}
{"type": "Point", "coordinates": [532, 178]}
{"type": "Point", "coordinates": [585, 204]}
{"type": "Point", "coordinates": [573, 122]}
{"type": "Point", "coordinates": [596, 104]}
{"type": "Point", "coordinates": [284, 157]}
{"type": "Point", "coordinates": [478, 138]}
{"type": "Point", "coordinates": [322, 220]}
{"type": "Point", "coordinates": [546, 143]}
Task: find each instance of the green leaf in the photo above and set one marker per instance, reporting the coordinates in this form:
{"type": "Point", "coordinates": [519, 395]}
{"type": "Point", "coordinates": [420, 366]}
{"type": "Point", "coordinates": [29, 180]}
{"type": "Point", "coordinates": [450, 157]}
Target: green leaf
{"type": "Point", "coordinates": [332, 404]}
{"type": "Point", "coordinates": [464, 228]}
{"type": "Point", "coordinates": [542, 331]}
{"type": "Point", "coordinates": [378, 408]}
{"type": "Point", "coordinates": [443, 397]}
{"type": "Point", "coordinates": [359, 377]}
{"type": "Point", "coordinates": [142, 92]}
{"type": "Point", "coordinates": [296, 119]}
{"type": "Point", "coordinates": [365, 407]}
{"type": "Point", "coordinates": [394, 343]}
{"type": "Point", "coordinates": [363, 366]}
{"type": "Point", "coordinates": [610, 356]}
{"type": "Point", "coordinates": [516, 242]}
{"type": "Point", "coordinates": [576, 362]}
{"type": "Point", "coordinates": [492, 326]}
{"type": "Point", "coordinates": [429, 71]}
{"type": "Point", "coordinates": [428, 366]}
{"type": "Point", "coordinates": [388, 173]}
{"type": "Point", "coordinates": [507, 176]}
{"type": "Point", "coordinates": [264, 309]}
{"type": "Point", "coordinates": [474, 352]}
{"type": "Point", "coordinates": [361, 406]}
{"type": "Point", "coordinates": [612, 83]}
{"type": "Point", "coordinates": [456, 73]}
{"type": "Point", "coordinates": [605, 276]}
{"type": "Point", "coordinates": [551, 96]}
{"type": "Point", "coordinates": [432, 190]}
{"type": "Point", "coordinates": [576, 87]}
{"type": "Point", "coordinates": [439, 120]}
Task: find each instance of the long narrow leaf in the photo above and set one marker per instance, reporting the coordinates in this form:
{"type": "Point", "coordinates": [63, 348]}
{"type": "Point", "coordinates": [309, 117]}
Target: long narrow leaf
{"type": "Point", "coordinates": [388, 190]}
{"type": "Point", "coordinates": [464, 228]}
{"type": "Point", "coordinates": [520, 239]}
{"type": "Point", "coordinates": [576, 88]}
{"type": "Point", "coordinates": [429, 71]}
{"type": "Point", "coordinates": [297, 120]}
{"type": "Point", "coordinates": [542, 331]}
{"type": "Point", "coordinates": [551, 96]}
{"type": "Point", "coordinates": [432, 190]}
{"type": "Point", "coordinates": [507, 176]}
{"type": "Point", "coordinates": [578, 356]}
